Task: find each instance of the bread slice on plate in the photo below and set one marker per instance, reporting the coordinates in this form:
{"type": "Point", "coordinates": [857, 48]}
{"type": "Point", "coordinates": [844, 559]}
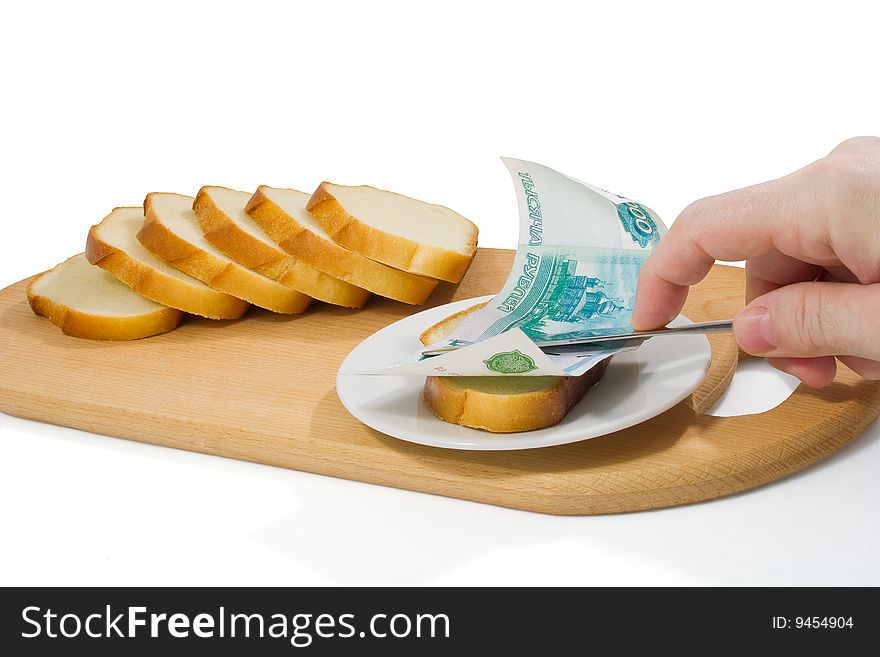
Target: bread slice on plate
{"type": "Point", "coordinates": [230, 229]}
{"type": "Point", "coordinates": [397, 230]}
{"type": "Point", "coordinates": [502, 404]}
{"type": "Point", "coordinates": [171, 231]}
{"type": "Point", "coordinates": [113, 245]}
{"type": "Point", "coordinates": [87, 302]}
{"type": "Point", "coordinates": [282, 214]}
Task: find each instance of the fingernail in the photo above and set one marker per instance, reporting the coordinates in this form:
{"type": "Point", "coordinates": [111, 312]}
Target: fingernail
{"type": "Point", "coordinates": [754, 330]}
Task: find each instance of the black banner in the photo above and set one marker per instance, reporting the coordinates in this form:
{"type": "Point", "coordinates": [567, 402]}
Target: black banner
{"type": "Point", "coordinates": [431, 621]}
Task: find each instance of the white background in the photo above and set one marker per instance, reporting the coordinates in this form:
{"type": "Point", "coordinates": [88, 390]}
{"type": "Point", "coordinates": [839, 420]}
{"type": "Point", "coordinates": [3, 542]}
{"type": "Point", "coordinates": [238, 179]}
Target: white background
{"type": "Point", "coordinates": [664, 102]}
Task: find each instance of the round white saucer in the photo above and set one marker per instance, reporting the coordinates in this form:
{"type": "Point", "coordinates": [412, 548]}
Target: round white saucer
{"type": "Point", "coordinates": [637, 386]}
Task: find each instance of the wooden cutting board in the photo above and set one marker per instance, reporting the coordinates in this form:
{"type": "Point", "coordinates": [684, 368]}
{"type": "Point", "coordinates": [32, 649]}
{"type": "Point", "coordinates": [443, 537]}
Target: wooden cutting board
{"type": "Point", "coordinates": [263, 389]}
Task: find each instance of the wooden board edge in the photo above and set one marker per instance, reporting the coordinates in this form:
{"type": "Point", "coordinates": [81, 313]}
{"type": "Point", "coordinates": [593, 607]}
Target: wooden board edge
{"type": "Point", "coordinates": [802, 449]}
{"type": "Point", "coordinates": [725, 356]}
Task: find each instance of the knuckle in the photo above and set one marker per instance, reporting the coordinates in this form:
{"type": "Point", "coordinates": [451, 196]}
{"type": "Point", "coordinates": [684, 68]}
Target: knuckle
{"type": "Point", "coordinates": [848, 184]}
{"type": "Point", "coordinates": [686, 219]}
{"type": "Point", "coordinates": [810, 327]}
{"type": "Point", "coordinates": [858, 144]}
{"type": "Point", "coordinates": [694, 218]}
{"type": "Point", "coordinates": [852, 173]}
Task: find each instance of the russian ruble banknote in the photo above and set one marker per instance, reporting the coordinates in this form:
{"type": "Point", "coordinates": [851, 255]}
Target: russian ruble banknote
{"type": "Point", "coordinates": [574, 275]}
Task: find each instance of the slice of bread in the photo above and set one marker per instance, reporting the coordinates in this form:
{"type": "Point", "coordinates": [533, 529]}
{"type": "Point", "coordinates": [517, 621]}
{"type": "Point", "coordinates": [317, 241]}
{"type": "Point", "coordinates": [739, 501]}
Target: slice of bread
{"type": "Point", "coordinates": [502, 404]}
{"type": "Point", "coordinates": [87, 302]}
{"type": "Point", "coordinates": [397, 230]}
{"type": "Point", "coordinates": [282, 214]}
{"type": "Point", "coordinates": [113, 245]}
{"type": "Point", "coordinates": [230, 229]}
{"type": "Point", "coordinates": [172, 232]}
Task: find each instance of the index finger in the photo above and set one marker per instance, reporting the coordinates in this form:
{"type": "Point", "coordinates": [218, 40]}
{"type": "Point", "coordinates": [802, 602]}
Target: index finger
{"type": "Point", "coordinates": [739, 225]}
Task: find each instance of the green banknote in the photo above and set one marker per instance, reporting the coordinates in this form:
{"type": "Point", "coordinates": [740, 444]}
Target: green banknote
{"type": "Point", "coordinates": [574, 275]}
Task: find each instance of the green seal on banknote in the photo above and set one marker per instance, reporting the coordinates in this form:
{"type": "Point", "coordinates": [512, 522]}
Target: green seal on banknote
{"type": "Point", "coordinates": [510, 362]}
{"type": "Point", "coordinates": [638, 223]}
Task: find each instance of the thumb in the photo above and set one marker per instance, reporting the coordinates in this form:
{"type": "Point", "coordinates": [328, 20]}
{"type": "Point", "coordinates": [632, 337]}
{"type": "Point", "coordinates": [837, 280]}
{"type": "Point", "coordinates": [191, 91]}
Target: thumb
{"type": "Point", "coordinates": [805, 320]}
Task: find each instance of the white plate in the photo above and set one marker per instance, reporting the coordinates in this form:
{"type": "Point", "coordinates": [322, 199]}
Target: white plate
{"type": "Point", "coordinates": [637, 386]}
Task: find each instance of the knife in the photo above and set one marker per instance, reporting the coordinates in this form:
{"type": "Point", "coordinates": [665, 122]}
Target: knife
{"type": "Point", "coordinates": [715, 326]}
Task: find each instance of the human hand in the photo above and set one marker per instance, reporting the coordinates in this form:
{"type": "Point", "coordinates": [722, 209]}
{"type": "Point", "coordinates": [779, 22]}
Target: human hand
{"type": "Point", "coordinates": [811, 241]}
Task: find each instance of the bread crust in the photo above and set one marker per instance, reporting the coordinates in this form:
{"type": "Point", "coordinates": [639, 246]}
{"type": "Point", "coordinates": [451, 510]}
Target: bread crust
{"type": "Point", "coordinates": [444, 327]}
{"type": "Point", "coordinates": [228, 277]}
{"type": "Point", "coordinates": [471, 407]}
{"type": "Point", "coordinates": [497, 413]}
{"type": "Point", "coordinates": [80, 324]}
{"type": "Point", "coordinates": [159, 287]}
{"type": "Point", "coordinates": [387, 248]}
{"type": "Point", "coordinates": [227, 236]}
{"type": "Point", "coordinates": [336, 260]}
